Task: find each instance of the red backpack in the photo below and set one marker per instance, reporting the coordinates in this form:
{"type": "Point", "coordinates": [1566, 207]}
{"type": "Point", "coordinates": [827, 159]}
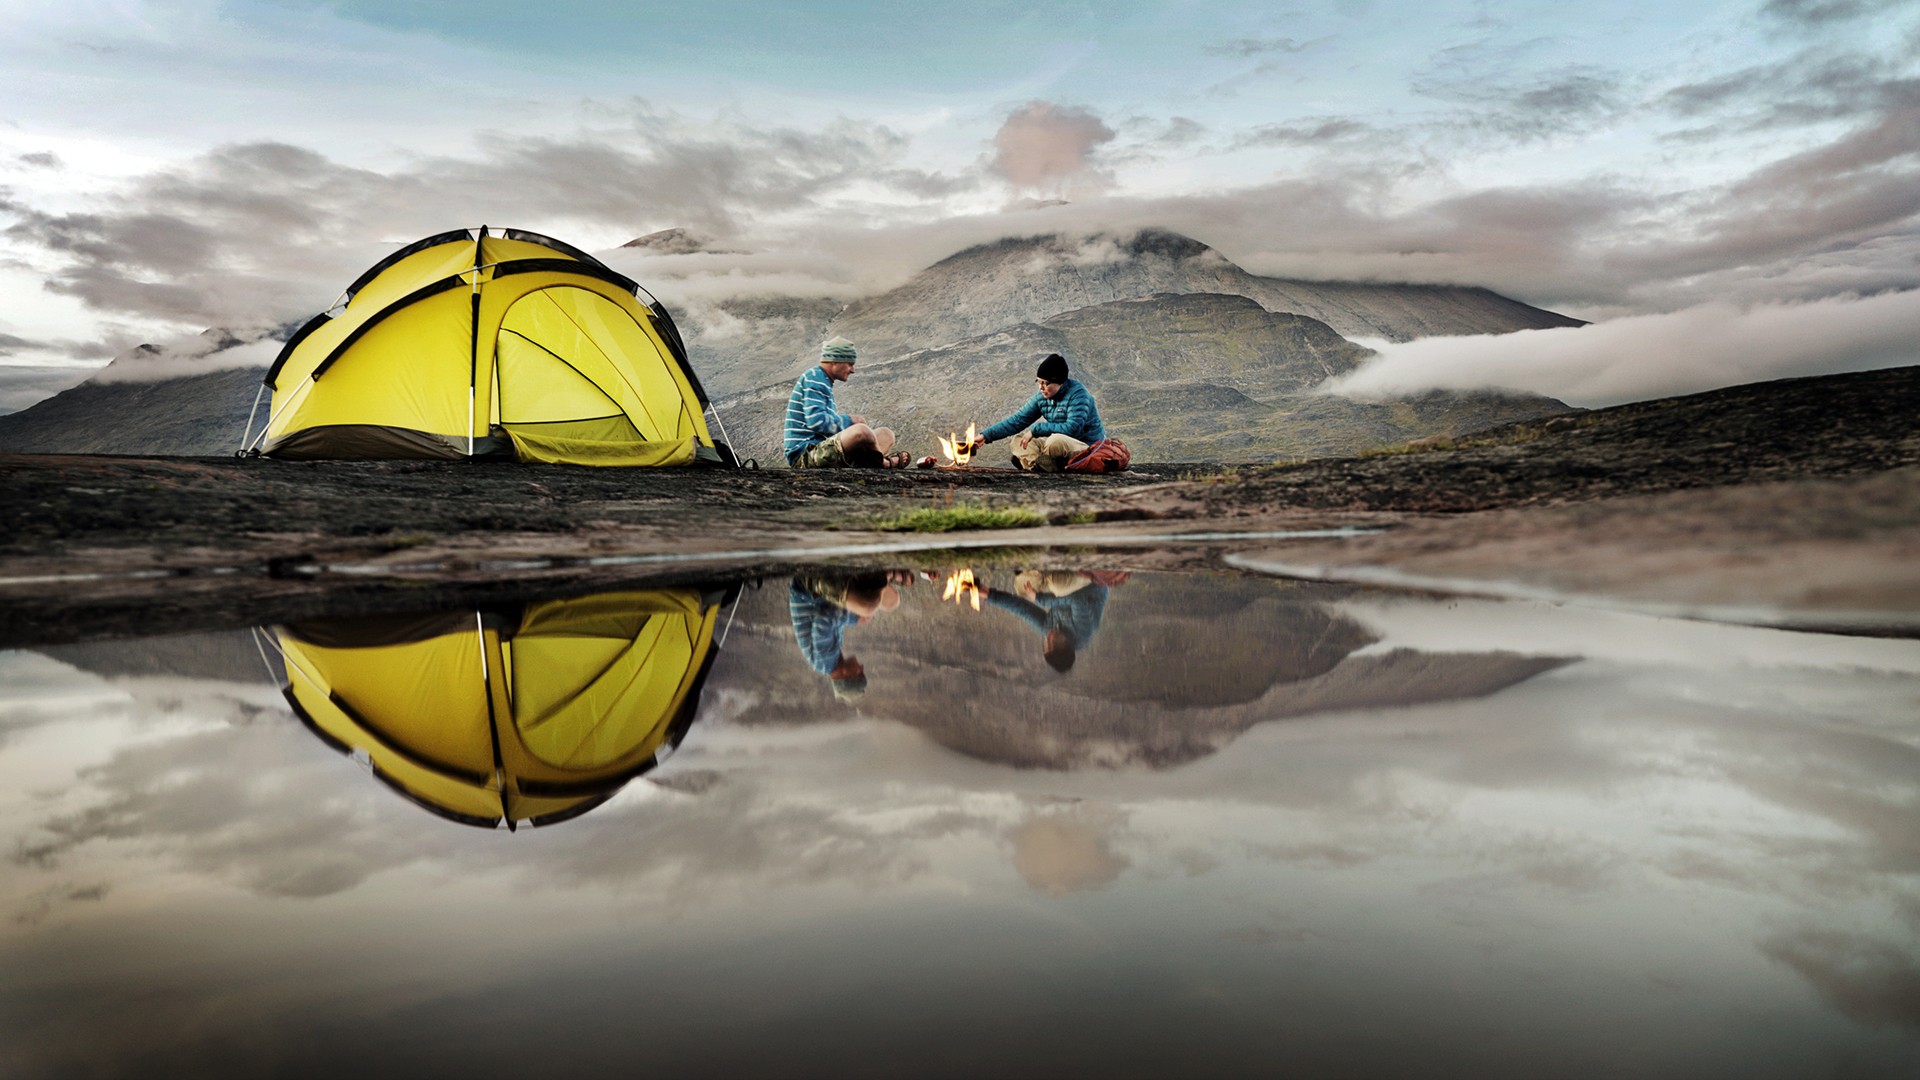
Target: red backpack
{"type": "Point", "coordinates": [1105, 456]}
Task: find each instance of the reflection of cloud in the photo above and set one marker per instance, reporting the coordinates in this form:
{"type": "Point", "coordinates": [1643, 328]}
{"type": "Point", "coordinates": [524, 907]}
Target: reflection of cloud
{"type": "Point", "coordinates": [1814, 13]}
{"type": "Point", "coordinates": [261, 805]}
{"type": "Point", "coordinates": [1060, 855]}
{"type": "Point", "coordinates": [1686, 774]}
{"type": "Point", "coordinates": [1863, 977]}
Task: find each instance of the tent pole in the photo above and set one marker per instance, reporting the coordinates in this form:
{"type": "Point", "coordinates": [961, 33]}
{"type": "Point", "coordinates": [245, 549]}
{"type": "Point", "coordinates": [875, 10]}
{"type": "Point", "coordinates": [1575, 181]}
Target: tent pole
{"type": "Point", "coordinates": [273, 415]}
{"type": "Point", "coordinates": [493, 720]}
{"type": "Point", "coordinates": [725, 630]}
{"type": "Point", "coordinates": [721, 424]}
{"type": "Point", "coordinates": [473, 371]}
{"type": "Point", "coordinates": [251, 413]}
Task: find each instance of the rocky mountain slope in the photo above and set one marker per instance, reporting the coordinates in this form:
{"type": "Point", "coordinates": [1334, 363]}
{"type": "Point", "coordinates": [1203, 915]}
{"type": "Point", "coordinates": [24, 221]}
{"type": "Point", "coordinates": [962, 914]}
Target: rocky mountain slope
{"type": "Point", "coordinates": [192, 415]}
{"type": "Point", "coordinates": [1200, 377]}
{"type": "Point", "coordinates": [1032, 279]}
{"type": "Point", "coordinates": [739, 344]}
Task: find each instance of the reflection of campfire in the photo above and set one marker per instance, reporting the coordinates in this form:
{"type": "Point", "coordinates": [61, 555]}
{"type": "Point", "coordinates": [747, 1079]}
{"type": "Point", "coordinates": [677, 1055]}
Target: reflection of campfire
{"type": "Point", "coordinates": [959, 451]}
{"type": "Point", "coordinates": [961, 587]}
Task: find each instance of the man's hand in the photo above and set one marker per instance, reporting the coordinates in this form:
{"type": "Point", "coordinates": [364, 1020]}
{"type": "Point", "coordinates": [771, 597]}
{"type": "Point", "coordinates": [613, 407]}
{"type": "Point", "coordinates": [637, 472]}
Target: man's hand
{"type": "Point", "coordinates": [978, 442]}
{"type": "Point", "coordinates": [1026, 440]}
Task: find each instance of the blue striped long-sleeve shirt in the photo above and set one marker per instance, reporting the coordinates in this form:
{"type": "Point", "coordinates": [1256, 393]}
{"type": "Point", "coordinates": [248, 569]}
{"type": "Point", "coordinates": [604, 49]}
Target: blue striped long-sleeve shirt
{"type": "Point", "coordinates": [810, 412]}
{"type": "Point", "coordinates": [818, 624]}
{"type": "Point", "coordinates": [1071, 414]}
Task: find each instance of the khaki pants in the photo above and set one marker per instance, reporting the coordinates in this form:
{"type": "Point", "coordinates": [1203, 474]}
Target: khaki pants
{"type": "Point", "coordinates": [825, 454]}
{"type": "Point", "coordinates": [1048, 453]}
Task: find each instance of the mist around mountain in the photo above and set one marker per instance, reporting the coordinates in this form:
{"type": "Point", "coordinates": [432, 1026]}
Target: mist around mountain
{"type": "Point", "coordinates": [1192, 358]}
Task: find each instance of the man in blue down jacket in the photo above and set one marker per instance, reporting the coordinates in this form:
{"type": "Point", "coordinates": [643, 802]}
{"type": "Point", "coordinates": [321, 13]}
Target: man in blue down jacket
{"type": "Point", "coordinates": [1068, 421]}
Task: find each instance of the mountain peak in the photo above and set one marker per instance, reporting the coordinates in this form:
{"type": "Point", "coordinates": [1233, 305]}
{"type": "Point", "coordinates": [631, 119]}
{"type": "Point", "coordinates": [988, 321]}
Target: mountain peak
{"type": "Point", "coordinates": [675, 241]}
{"type": "Point", "coordinates": [1075, 248]}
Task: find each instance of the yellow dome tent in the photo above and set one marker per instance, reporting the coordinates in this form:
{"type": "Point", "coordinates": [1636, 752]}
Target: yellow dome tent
{"type": "Point", "coordinates": [489, 345]}
{"type": "Point", "coordinates": [532, 718]}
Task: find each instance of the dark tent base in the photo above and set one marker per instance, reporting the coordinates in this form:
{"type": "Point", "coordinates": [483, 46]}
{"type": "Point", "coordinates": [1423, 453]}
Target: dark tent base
{"type": "Point", "coordinates": [378, 442]}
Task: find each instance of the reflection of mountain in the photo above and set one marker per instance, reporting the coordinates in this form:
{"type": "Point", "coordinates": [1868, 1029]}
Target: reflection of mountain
{"type": "Point", "coordinates": [1180, 666]}
{"type": "Point", "coordinates": [534, 717]}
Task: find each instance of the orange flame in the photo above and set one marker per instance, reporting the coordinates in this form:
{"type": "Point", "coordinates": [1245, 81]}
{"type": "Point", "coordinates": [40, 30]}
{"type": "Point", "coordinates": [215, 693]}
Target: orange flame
{"type": "Point", "coordinates": [961, 588]}
{"type": "Point", "coordinates": [959, 451]}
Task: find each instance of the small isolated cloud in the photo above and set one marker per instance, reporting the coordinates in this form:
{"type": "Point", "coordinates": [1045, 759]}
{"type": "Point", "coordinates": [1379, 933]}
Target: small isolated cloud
{"type": "Point", "coordinates": [1645, 356]}
{"type": "Point", "coordinates": [1247, 48]}
{"type": "Point", "coordinates": [1538, 106]}
{"type": "Point", "coordinates": [1050, 148]}
{"type": "Point", "coordinates": [43, 159]}
{"type": "Point", "coordinates": [1182, 131]}
{"type": "Point", "coordinates": [1307, 133]}
{"type": "Point", "coordinates": [1811, 87]}
{"type": "Point", "coordinates": [1824, 12]}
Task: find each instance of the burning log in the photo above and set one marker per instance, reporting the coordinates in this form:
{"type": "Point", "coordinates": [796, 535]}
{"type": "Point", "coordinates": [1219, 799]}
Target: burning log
{"type": "Point", "coordinates": [962, 588]}
{"type": "Point", "coordinates": [959, 451]}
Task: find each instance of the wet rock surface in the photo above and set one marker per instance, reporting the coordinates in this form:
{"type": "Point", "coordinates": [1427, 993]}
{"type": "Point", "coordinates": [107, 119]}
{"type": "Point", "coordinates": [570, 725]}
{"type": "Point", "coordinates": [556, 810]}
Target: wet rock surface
{"type": "Point", "coordinates": [1792, 429]}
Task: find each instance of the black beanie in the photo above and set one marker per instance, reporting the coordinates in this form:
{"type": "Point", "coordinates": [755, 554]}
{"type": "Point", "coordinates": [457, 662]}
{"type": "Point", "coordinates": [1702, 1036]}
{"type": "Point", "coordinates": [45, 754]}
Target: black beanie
{"type": "Point", "coordinates": [1053, 368]}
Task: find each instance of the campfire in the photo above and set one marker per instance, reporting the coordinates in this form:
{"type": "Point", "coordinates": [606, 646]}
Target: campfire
{"type": "Point", "coordinates": [959, 451]}
{"type": "Point", "coordinates": [962, 588]}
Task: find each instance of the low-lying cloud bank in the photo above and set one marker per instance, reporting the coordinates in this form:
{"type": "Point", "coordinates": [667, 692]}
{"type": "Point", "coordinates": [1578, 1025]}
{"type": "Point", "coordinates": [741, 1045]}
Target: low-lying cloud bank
{"type": "Point", "coordinates": [1647, 356]}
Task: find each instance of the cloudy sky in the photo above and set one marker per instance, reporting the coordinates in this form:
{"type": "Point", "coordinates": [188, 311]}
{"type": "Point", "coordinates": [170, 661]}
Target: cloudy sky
{"type": "Point", "coordinates": [165, 167]}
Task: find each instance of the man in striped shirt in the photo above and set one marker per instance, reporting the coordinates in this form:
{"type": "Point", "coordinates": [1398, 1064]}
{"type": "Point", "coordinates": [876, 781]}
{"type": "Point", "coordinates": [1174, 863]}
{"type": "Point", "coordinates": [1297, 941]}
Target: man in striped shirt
{"type": "Point", "coordinates": [823, 607]}
{"type": "Point", "coordinates": [1068, 421]}
{"type": "Point", "coordinates": [819, 435]}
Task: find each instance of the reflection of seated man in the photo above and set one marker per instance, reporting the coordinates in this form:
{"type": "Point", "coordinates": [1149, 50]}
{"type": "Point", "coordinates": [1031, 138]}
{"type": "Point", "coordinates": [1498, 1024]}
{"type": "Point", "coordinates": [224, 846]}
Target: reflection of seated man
{"type": "Point", "coordinates": [822, 608]}
{"type": "Point", "coordinates": [1063, 606]}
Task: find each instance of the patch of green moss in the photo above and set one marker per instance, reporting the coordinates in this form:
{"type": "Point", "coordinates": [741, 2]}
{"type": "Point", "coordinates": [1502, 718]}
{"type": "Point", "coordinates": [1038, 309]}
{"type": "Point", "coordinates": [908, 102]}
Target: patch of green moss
{"type": "Point", "coordinates": [960, 516]}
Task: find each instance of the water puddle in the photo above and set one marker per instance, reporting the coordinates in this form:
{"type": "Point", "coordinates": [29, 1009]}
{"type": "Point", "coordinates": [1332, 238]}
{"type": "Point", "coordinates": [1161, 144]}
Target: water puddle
{"type": "Point", "coordinates": [952, 818]}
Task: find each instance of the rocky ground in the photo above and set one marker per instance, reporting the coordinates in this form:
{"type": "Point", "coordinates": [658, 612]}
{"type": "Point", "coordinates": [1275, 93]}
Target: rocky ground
{"type": "Point", "coordinates": [1800, 498]}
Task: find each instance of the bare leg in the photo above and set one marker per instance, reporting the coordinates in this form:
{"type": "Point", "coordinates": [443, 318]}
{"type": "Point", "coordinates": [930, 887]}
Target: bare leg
{"type": "Point", "coordinates": [862, 451]}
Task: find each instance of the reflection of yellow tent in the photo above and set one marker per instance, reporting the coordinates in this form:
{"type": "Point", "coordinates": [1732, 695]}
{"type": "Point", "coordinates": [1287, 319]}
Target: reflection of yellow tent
{"type": "Point", "coordinates": [538, 720]}
{"type": "Point", "coordinates": [481, 344]}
